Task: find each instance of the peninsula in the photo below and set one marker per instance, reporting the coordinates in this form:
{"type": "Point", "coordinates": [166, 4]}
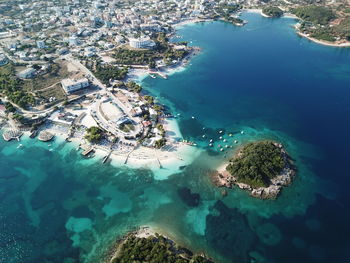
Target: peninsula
{"type": "Point", "coordinates": [263, 168]}
{"type": "Point", "coordinates": [145, 245]}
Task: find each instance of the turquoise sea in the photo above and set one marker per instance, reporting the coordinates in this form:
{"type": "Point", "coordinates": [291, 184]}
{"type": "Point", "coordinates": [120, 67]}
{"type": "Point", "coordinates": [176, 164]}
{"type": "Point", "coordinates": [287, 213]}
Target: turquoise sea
{"type": "Point", "coordinates": [261, 79]}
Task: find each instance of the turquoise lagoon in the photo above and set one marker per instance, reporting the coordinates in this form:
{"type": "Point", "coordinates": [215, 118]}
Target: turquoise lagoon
{"type": "Point", "coordinates": [261, 79]}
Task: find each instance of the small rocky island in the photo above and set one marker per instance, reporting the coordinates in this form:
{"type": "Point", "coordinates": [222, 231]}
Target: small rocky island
{"type": "Point", "coordinates": [263, 168]}
{"type": "Point", "coordinates": [144, 245]}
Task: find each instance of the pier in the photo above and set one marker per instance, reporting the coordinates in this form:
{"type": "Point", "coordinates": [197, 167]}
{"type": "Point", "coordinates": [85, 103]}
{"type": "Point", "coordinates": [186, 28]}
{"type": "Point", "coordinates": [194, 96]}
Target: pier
{"type": "Point", "coordinates": [87, 151]}
{"type": "Point", "coordinates": [45, 136]}
{"type": "Point", "coordinates": [105, 159]}
{"type": "Point", "coordinates": [11, 135]}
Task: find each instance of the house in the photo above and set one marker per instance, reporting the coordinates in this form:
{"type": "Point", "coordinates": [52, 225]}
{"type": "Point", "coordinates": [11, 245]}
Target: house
{"type": "Point", "coordinates": [70, 85]}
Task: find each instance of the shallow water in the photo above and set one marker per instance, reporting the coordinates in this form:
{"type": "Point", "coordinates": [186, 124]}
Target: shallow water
{"type": "Point", "coordinates": [261, 79]}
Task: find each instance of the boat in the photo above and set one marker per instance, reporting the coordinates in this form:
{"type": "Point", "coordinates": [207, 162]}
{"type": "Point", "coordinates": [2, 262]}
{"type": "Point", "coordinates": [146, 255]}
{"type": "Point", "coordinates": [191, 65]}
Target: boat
{"type": "Point", "coordinates": [20, 146]}
{"type": "Point", "coordinates": [220, 137]}
{"type": "Point", "coordinates": [203, 135]}
{"type": "Point", "coordinates": [192, 117]}
{"type": "Point", "coordinates": [152, 76]}
{"type": "Point", "coordinates": [211, 140]}
{"type": "Point", "coordinates": [236, 141]}
{"type": "Point", "coordinates": [242, 132]}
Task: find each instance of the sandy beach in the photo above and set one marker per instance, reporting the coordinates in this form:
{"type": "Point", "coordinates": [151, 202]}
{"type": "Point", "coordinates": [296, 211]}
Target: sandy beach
{"type": "Point", "coordinates": [323, 42]}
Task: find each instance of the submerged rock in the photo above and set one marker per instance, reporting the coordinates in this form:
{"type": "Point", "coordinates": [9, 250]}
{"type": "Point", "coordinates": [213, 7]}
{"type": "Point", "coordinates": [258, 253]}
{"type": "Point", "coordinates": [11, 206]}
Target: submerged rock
{"type": "Point", "coordinates": [189, 198]}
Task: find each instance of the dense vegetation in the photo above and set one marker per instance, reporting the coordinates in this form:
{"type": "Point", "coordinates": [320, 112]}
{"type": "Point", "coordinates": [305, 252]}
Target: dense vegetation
{"type": "Point", "coordinates": [12, 87]}
{"type": "Point", "coordinates": [343, 29]}
{"type": "Point", "coordinates": [160, 143]}
{"type": "Point", "coordinates": [315, 14]}
{"type": "Point", "coordinates": [272, 11]}
{"type": "Point", "coordinates": [257, 163]}
{"type": "Point", "coordinates": [94, 134]}
{"type": "Point", "coordinates": [155, 249]}
{"type": "Point", "coordinates": [105, 73]}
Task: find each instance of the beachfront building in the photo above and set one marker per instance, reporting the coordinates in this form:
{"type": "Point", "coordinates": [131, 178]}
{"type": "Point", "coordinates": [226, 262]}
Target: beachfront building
{"type": "Point", "coordinates": [70, 85]}
{"type": "Point", "coordinates": [142, 42]}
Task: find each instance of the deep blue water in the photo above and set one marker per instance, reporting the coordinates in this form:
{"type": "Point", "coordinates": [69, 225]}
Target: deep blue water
{"type": "Point", "coordinates": [261, 78]}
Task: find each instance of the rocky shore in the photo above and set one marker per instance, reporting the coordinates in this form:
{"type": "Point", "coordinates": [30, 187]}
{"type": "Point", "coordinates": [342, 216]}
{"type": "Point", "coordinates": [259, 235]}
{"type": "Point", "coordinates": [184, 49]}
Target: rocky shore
{"type": "Point", "coordinates": [222, 178]}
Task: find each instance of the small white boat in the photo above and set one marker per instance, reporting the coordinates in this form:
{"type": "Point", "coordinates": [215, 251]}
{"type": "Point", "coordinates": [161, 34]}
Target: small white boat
{"type": "Point", "coordinates": [242, 132]}
{"type": "Point", "coordinates": [224, 140]}
{"type": "Point", "coordinates": [211, 140]}
{"type": "Point", "coordinates": [236, 141]}
{"type": "Point", "coordinates": [220, 131]}
{"type": "Point", "coordinates": [203, 136]}
{"type": "Point", "coordinates": [220, 137]}
{"type": "Point", "coordinates": [192, 117]}
{"type": "Point", "coordinates": [20, 146]}
{"type": "Point", "coordinates": [210, 144]}
{"type": "Point", "coordinates": [222, 149]}
{"type": "Point", "coordinates": [230, 135]}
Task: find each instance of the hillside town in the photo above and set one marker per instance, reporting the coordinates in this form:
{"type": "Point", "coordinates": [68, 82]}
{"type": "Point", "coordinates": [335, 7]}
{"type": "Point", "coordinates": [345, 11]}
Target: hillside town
{"type": "Point", "coordinates": [72, 65]}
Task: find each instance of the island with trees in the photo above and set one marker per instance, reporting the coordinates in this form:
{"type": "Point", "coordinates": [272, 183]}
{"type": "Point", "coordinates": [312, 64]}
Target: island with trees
{"type": "Point", "coordinates": [263, 168]}
{"type": "Point", "coordinates": [145, 245]}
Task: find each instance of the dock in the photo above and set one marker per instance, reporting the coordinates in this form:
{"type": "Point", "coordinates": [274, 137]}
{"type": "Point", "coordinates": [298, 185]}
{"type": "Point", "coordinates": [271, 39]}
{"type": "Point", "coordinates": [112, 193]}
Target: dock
{"type": "Point", "coordinates": [33, 134]}
{"type": "Point", "coordinates": [45, 136]}
{"type": "Point", "coordinates": [87, 151]}
{"type": "Point", "coordinates": [11, 135]}
{"type": "Point", "coordinates": [105, 159]}
{"type": "Point", "coordinates": [160, 165]}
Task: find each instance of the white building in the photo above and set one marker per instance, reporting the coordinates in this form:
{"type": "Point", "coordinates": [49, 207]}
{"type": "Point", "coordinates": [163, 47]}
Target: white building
{"type": "Point", "coordinates": [70, 85]}
{"type": "Point", "coordinates": [143, 42]}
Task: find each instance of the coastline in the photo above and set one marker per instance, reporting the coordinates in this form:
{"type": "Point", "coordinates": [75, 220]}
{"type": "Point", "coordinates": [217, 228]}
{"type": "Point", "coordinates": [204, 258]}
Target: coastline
{"type": "Point", "coordinates": [322, 42]}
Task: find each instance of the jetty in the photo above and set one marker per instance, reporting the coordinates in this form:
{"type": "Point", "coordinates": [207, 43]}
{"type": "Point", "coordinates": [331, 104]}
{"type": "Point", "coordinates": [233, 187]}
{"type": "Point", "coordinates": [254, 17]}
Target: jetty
{"type": "Point", "coordinates": [87, 151]}
{"type": "Point", "coordinates": [105, 159]}
{"type": "Point", "coordinates": [45, 136]}
{"type": "Point", "coordinates": [11, 135]}
{"type": "Point", "coordinates": [33, 134]}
